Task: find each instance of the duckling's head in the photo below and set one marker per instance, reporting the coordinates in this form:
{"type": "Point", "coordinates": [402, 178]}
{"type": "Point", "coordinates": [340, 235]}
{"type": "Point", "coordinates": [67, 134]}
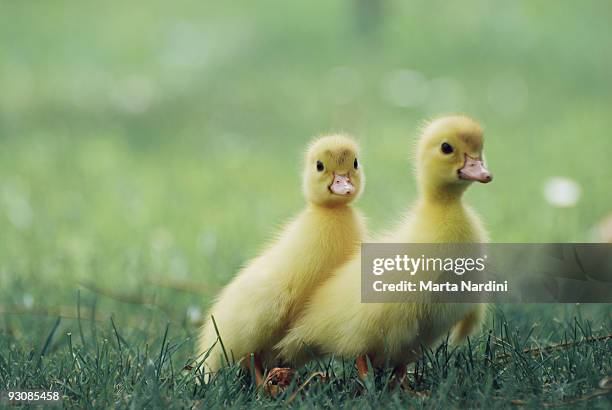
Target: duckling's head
{"type": "Point", "coordinates": [332, 174]}
{"type": "Point", "coordinates": [450, 156]}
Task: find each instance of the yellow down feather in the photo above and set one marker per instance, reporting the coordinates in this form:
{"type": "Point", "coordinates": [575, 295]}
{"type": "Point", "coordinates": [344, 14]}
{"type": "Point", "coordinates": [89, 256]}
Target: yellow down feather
{"type": "Point", "coordinates": [254, 311]}
{"type": "Point", "coordinates": [336, 322]}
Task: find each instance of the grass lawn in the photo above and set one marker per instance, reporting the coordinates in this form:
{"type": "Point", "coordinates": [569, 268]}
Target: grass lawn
{"type": "Point", "coordinates": [147, 152]}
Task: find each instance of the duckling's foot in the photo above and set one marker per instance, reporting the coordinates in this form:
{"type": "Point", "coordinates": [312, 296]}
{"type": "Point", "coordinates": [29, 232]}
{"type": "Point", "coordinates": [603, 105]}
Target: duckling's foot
{"type": "Point", "coordinates": [278, 380]}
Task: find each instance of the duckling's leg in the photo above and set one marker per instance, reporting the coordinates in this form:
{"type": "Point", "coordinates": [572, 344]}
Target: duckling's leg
{"type": "Point", "coordinates": [255, 366]}
{"type": "Point", "coordinates": [468, 325]}
{"type": "Point", "coordinates": [362, 366]}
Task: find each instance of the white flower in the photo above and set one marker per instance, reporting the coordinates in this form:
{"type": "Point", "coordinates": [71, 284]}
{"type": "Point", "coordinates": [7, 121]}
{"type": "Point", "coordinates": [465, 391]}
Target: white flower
{"type": "Point", "coordinates": [28, 301]}
{"type": "Point", "coordinates": [562, 192]}
{"type": "Point", "coordinates": [603, 231]}
{"type": "Point", "coordinates": [194, 314]}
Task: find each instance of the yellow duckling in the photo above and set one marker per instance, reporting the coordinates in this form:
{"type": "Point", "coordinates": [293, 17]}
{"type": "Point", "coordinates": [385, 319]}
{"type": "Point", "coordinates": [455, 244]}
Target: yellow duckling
{"type": "Point", "coordinates": [449, 158]}
{"type": "Point", "coordinates": [256, 309]}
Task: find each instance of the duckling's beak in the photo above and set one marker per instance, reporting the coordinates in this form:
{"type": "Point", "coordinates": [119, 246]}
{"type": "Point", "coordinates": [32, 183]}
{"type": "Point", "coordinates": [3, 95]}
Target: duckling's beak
{"type": "Point", "coordinates": [342, 185]}
{"type": "Point", "coordinates": [474, 170]}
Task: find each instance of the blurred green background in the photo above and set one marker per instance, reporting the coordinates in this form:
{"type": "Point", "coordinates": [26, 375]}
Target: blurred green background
{"type": "Point", "coordinates": [147, 150]}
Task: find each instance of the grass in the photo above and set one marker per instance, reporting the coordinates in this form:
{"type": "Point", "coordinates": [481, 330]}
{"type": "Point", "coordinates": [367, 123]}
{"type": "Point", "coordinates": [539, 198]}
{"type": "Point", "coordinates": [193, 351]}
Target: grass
{"type": "Point", "coordinates": [101, 365]}
{"type": "Point", "coordinates": [145, 154]}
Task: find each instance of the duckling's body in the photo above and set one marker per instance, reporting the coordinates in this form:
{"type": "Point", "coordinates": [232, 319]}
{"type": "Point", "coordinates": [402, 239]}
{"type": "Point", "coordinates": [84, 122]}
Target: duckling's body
{"type": "Point", "coordinates": [255, 310]}
{"type": "Point", "coordinates": [336, 322]}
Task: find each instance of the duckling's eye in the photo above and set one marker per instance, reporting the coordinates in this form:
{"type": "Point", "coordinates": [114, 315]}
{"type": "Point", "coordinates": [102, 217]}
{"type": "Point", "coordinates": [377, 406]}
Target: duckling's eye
{"type": "Point", "coordinates": [447, 148]}
{"type": "Point", "coordinates": [320, 166]}
{"type": "Point", "coordinates": [355, 164]}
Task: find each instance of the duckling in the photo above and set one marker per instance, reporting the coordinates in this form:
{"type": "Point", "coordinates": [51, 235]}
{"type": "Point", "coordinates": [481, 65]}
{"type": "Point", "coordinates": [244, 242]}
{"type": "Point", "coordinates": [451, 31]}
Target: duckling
{"type": "Point", "coordinates": [256, 308]}
{"type": "Point", "coordinates": [449, 159]}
